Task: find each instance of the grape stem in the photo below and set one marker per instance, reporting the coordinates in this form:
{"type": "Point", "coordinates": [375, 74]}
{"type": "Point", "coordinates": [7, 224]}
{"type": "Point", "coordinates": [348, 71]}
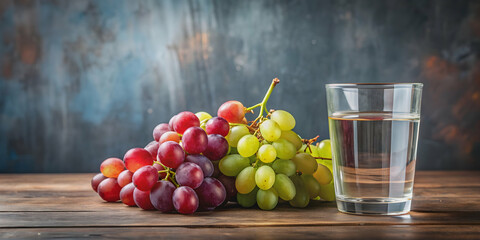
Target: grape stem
{"type": "Point", "coordinates": [263, 104]}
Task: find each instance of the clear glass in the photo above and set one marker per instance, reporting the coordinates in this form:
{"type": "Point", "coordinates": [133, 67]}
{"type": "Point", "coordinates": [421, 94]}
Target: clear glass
{"type": "Point", "coordinates": [374, 134]}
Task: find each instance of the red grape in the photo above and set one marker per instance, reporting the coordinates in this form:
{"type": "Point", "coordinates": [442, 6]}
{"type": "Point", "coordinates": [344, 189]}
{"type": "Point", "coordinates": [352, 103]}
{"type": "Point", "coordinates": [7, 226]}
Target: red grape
{"type": "Point", "coordinates": [142, 199]}
{"type": "Point", "coordinates": [217, 125]}
{"type": "Point", "coordinates": [124, 178]}
{"type": "Point", "coordinates": [171, 154]}
{"type": "Point", "coordinates": [170, 123]}
{"type": "Point", "coordinates": [185, 120]}
{"type": "Point", "coordinates": [111, 167]}
{"type": "Point", "coordinates": [152, 148]}
{"type": "Point", "coordinates": [126, 195]}
{"type": "Point", "coordinates": [203, 162]}
{"type": "Point", "coordinates": [145, 177]}
{"type": "Point", "coordinates": [169, 136]}
{"type": "Point", "coordinates": [189, 174]}
{"type": "Point", "coordinates": [229, 184]}
{"type": "Point", "coordinates": [211, 193]}
{"type": "Point", "coordinates": [232, 111]}
{"type": "Point", "coordinates": [160, 168]}
{"type": "Point", "coordinates": [185, 200]}
{"type": "Point", "coordinates": [217, 147]}
{"type": "Point", "coordinates": [136, 158]}
{"type": "Point", "coordinates": [194, 140]}
{"type": "Point", "coordinates": [159, 130]}
{"type": "Point", "coordinates": [109, 190]}
{"type": "Point", "coordinates": [161, 195]}
{"type": "Point", "coordinates": [97, 179]}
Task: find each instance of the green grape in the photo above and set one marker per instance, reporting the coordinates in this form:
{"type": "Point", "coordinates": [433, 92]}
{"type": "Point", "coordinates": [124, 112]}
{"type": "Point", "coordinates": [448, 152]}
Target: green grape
{"type": "Point", "coordinates": [325, 149]}
{"type": "Point", "coordinates": [326, 163]}
{"type": "Point", "coordinates": [284, 119]}
{"type": "Point", "coordinates": [203, 116]}
{"type": "Point", "coordinates": [285, 187]}
{"type": "Point", "coordinates": [267, 199]}
{"type": "Point", "coordinates": [236, 133]}
{"type": "Point", "coordinates": [313, 150]}
{"type": "Point", "coordinates": [323, 174]}
{"type": "Point", "coordinates": [247, 200]}
{"type": "Point", "coordinates": [267, 153]}
{"type": "Point", "coordinates": [327, 192]}
{"type": "Point", "coordinates": [302, 198]}
{"type": "Point", "coordinates": [313, 187]}
{"type": "Point", "coordinates": [285, 149]}
{"type": "Point", "coordinates": [231, 165]}
{"type": "Point", "coordinates": [265, 177]}
{"type": "Point", "coordinates": [305, 163]}
{"type": "Point", "coordinates": [284, 166]}
{"type": "Point", "coordinates": [270, 130]}
{"type": "Point", "coordinates": [248, 145]}
{"type": "Point", "coordinates": [293, 138]}
{"type": "Point", "coordinates": [245, 181]}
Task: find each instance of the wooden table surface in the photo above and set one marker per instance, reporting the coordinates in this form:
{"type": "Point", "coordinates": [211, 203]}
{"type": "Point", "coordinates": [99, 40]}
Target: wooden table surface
{"type": "Point", "coordinates": [446, 205]}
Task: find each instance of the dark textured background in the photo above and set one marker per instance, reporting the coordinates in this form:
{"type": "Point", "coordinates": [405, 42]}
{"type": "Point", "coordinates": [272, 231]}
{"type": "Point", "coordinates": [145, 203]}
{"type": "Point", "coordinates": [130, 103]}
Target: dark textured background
{"type": "Point", "coordinates": [84, 80]}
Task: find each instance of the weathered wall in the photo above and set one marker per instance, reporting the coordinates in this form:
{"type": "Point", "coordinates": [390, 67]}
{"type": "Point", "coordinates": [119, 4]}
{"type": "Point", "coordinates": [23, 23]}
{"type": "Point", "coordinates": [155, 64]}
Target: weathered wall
{"type": "Point", "coordinates": [84, 80]}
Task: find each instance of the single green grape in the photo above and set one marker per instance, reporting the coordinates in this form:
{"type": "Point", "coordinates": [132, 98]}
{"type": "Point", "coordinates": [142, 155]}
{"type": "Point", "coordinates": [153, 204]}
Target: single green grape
{"type": "Point", "coordinates": [284, 119]}
{"type": "Point", "coordinates": [245, 181]}
{"type": "Point", "coordinates": [285, 149]}
{"type": "Point", "coordinates": [323, 174]}
{"type": "Point", "coordinates": [231, 165]}
{"type": "Point", "coordinates": [270, 130]}
{"type": "Point", "coordinates": [313, 187]}
{"type": "Point", "coordinates": [293, 138]}
{"type": "Point", "coordinates": [235, 134]}
{"type": "Point", "coordinates": [265, 177]}
{"type": "Point", "coordinates": [267, 199]}
{"type": "Point", "coordinates": [249, 199]}
{"type": "Point", "coordinates": [203, 116]}
{"type": "Point", "coordinates": [305, 163]}
{"type": "Point", "coordinates": [302, 198]}
{"type": "Point", "coordinates": [285, 187]}
{"type": "Point", "coordinates": [248, 145]}
{"type": "Point", "coordinates": [284, 166]}
{"type": "Point", "coordinates": [327, 192]}
{"type": "Point", "coordinates": [325, 149]}
{"type": "Point", "coordinates": [267, 153]}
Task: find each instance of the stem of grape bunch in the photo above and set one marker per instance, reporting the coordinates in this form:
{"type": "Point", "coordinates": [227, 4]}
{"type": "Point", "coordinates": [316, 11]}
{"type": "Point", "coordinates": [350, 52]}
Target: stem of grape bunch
{"type": "Point", "coordinates": [263, 103]}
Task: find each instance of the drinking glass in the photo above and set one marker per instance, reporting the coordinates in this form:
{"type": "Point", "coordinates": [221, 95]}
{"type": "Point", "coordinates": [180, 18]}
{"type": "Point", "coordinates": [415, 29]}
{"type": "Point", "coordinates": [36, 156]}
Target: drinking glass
{"type": "Point", "coordinates": [374, 134]}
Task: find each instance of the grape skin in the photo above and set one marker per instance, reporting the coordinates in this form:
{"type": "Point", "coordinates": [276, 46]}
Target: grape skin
{"type": "Point", "coordinates": [305, 163]}
{"type": "Point", "coordinates": [264, 177]}
{"type": "Point", "coordinates": [124, 178]}
{"type": "Point", "coordinates": [217, 147]}
{"type": "Point", "coordinates": [302, 197]}
{"type": "Point", "coordinates": [270, 130]}
{"type": "Point", "coordinates": [109, 190]}
{"type": "Point", "coordinates": [285, 149]}
{"type": "Point", "coordinates": [284, 119]}
{"type": "Point", "coordinates": [232, 111]}
{"type": "Point", "coordinates": [325, 149]}
{"type": "Point", "coordinates": [211, 193]}
{"type": "Point", "coordinates": [217, 125]}
{"type": "Point", "coordinates": [159, 130]}
{"type": "Point", "coordinates": [142, 199]}
{"type": "Point", "coordinates": [284, 166]}
{"type": "Point", "coordinates": [169, 136]}
{"type": "Point", "coordinates": [311, 184]}
{"type": "Point", "coordinates": [235, 134]}
{"type": "Point", "coordinates": [96, 180]}
{"type": "Point", "coordinates": [145, 177]}
{"type": "Point", "coordinates": [231, 165]}
{"type": "Point", "coordinates": [267, 199]}
{"type": "Point", "coordinates": [112, 167]}
{"type": "Point", "coordinates": [203, 162]}
{"type": "Point", "coordinates": [267, 153]}
{"type": "Point", "coordinates": [194, 140]}
{"type": "Point", "coordinates": [284, 187]}
{"type": "Point", "coordinates": [171, 154]}
{"type": "Point", "coordinates": [136, 158]}
{"type": "Point", "coordinates": [248, 145]}
{"type": "Point", "coordinates": [249, 199]}
{"type": "Point", "coordinates": [161, 196]}
{"type": "Point", "coordinates": [126, 195]}
{"type": "Point", "coordinates": [189, 174]}
{"type": "Point", "coordinates": [184, 121]}
{"type": "Point", "coordinates": [293, 138]}
{"type": "Point", "coordinates": [245, 181]}
{"type": "Point", "coordinates": [323, 175]}
{"type": "Point", "coordinates": [185, 200]}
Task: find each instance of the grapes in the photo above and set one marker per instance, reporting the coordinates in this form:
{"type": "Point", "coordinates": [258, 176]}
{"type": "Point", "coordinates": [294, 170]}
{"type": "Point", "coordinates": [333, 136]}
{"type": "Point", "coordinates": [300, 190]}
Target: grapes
{"type": "Point", "coordinates": [248, 145]}
{"type": "Point", "coordinates": [270, 130]}
{"type": "Point", "coordinates": [284, 119]}
{"type": "Point", "coordinates": [195, 140]}
{"type": "Point", "coordinates": [267, 199]}
{"type": "Point", "coordinates": [169, 136]}
{"type": "Point", "coordinates": [136, 158]}
{"type": "Point", "coordinates": [293, 138]}
{"type": "Point", "coordinates": [97, 179]}
{"type": "Point", "coordinates": [311, 184]}
{"type": "Point", "coordinates": [245, 181]}
{"type": "Point", "coordinates": [249, 199]}
{"type": "Point", "coordinates": [124, 178]}
{"type": "Point", "coordinates": [284, 187]}
{"type": "Point", "coordinates": [203, 116]}
{"type": "Point", "coordinates": [217, 125]}
{"type": "Point", "coordinates": [217, 147]}
{"type": "Point", "coordinates": [109, 190]}
{"type": "Point", "coordinates": [126, 195]}
{"type": "Point", "coordinates": [267, 153]}
{"type": "Point", "coordinates": [185, 200]}
{"type": "Point", "coordinates": [142, 199]}
{"type": "Point", "coordinates": [184, 121]}
{"type": "Point", "coordinates": [302, 198]}
{"type": "Point", "coordinates": [111, 167]}
{"type": "Point", "coordinates": [203, 162]}
{"type": "Point", "coordinates": [211, 193]}
{"type": "Point", "coordinates": [236, 133]}
{"type": "Point", "coordinates": [232, 111]}
{"type": "Point", "coordinates": [231, 165]}
{"type": "Point", "coordinates": [170, 123]}
{"type": "Point", "coordinates": [286, 167]}
{"type": "Point", "coordinates": [229, 184]}
{"type": "Point", "coordinates": [305, 163]}
{"type": "Point", "coordinates": [285, 149]}
{"type": "Point", "coordinates": [323, 175]}
{"type": "Point", "coordinates": [152, 148]}
{"type": "Point", "coordinates": [145, 177]}
{"type": "Point", "coordinates": [171, 154]}
{"type": "Point", "coordinates": [265, 177]}
{"type": "Point", "coordinates": [159, 130]}
{"type": "Point", "coordinates": [161, 196]}
{"type": "Point", "coordinates": [327, 192]}
{"type": "Point", "coordinates": [325, 149]}
{"type": "Point", "coordinates": [189, 174]}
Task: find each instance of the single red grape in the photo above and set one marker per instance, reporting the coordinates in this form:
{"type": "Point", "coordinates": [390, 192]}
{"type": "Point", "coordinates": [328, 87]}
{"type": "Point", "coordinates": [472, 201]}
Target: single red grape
{"type": "Point", "coordinates": [161, 196]}
{"type": "Point", "coordinates": [109, 190]}
{"type": "Point", "coordinates": [189, 174]}
{"type": "Point", "coordinates": [185, 200]}
{"type": "Point", "coordinates": [194, 140]}
{"type": "Point", "coordinates": [97, 179]}
{"type": "Point", "coordinates": [211, 193]}
{"type": "Point", "coordinates": [126, 195]}
{"type": "Point", "coordinates": [229, 184]}
{"type": "Point", "coordinates": [142, 199]}
{"type": "Point", "coordinates": [232, 111]}
{"type": "Point", "coordinates": [136, 158]}
{"type": "Point", "coordinates": [217, 125]}
{"type": "Point", "coordinates": [203, 162]}
{"type": "Point", "coordinates": [171, 154]}
{"type": "Point", "coordinates": [111, 167]}
{"type": "Point", "coordinates": [185, 120]}
{"type": "Point", "coordinates": [152, 148]}
{"type": "Point", "coordinates": [217, 147]}
{"type": "Point", "coordinates": [169, 136]}
{"type": "Point", "coordinates": [159, 130]}
{"type": "Point", "coordinates": [145, 177]}
{"type": "Point", "coordinates": [124, 178]}
{"type": "Point", "coordinates": [170, 123]}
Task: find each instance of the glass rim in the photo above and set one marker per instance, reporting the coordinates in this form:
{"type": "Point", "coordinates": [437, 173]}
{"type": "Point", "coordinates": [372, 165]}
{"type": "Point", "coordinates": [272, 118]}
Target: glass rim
{"type": "Point", "coordinates": [373, 85]}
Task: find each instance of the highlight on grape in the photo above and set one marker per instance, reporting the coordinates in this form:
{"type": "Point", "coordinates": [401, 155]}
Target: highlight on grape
{"type": "Point", "coordinates": [199, 162]}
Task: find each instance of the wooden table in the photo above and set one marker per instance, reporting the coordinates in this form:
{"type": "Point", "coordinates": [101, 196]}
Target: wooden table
{"type": "Point", "coordinates": [446, 206]}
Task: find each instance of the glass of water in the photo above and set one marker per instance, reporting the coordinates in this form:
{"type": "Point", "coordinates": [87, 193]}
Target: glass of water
{"type": "Point", "coordinates": [374, 134]}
